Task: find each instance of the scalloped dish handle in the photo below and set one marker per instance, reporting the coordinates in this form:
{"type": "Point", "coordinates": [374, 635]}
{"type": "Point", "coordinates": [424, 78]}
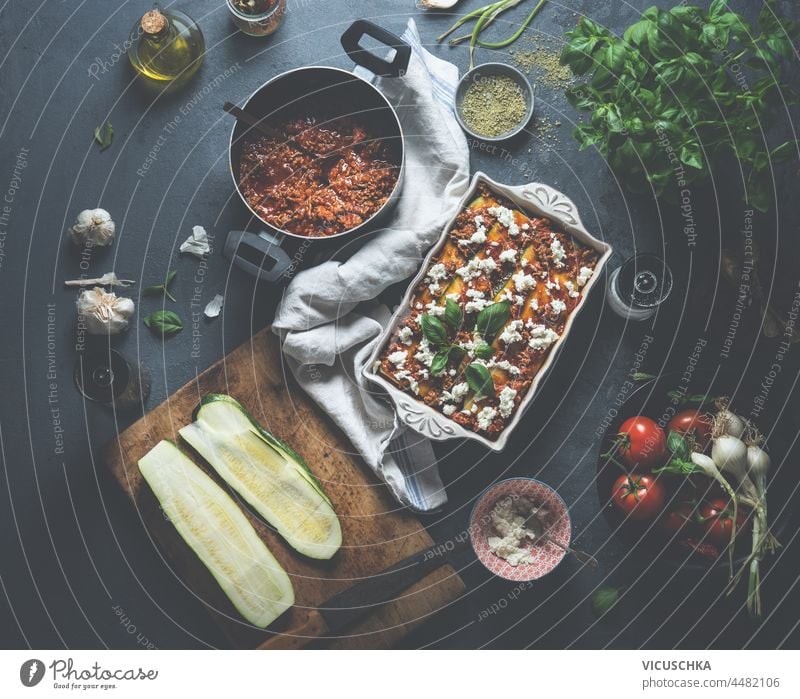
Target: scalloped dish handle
{"type": "Point", "coordinates": [422, 419]}
{"type": "Point", "coordinates": [550, 201]}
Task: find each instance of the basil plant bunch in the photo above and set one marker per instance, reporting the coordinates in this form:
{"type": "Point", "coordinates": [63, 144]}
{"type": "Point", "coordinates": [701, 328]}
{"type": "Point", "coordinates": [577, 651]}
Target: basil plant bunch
{"type": "Point", "coordinates": [680, 88]}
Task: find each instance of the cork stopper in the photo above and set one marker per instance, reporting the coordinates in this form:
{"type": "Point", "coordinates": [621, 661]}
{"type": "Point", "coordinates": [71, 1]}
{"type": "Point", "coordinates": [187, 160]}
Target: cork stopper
{"type": "Point", "coordinates": [153, 22]}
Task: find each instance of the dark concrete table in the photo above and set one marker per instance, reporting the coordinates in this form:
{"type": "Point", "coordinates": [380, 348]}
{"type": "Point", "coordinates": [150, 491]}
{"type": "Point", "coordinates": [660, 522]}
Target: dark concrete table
{"type": "Point", "coordinates": [76, 566]}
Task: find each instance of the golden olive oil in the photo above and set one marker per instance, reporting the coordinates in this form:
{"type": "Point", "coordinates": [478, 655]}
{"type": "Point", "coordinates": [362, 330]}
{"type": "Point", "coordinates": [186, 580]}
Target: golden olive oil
{"type": "Point", "coordinates": [166, 46]}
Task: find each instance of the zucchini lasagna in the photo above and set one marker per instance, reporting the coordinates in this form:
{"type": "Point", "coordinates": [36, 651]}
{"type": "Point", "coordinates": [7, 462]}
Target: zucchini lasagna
{"type": "Point", "coordinates": [491, 306]}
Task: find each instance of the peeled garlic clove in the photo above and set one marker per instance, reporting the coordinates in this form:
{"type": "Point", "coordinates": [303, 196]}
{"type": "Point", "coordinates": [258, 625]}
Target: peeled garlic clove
{"type": "Point", "coordinates": [104, 313]}
{"type": "Point", "coordinates": [214, 306]}
{"type": "Point", "coordinates": [197, 243]}
{"type": "Point", "coordinates": [93, 227]}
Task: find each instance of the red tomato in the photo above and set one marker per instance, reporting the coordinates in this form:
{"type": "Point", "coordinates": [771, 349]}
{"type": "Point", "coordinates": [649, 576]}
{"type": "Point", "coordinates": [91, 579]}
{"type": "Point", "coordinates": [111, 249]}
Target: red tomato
{"type": "Point", "coordinates": [638, 496]}
{"type": "Point", "coordinates": [642, 442]}
{"type": "Point", "coordinates": [717, 516]}
{"type": "Point", "coordinates": [692, 423]}
{"type": "Point", "coordinates": [678, 519]}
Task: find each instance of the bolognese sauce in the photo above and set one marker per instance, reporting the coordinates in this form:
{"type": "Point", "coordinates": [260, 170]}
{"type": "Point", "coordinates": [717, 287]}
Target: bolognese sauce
{"type": "Point", "coordinates": [327, 176]}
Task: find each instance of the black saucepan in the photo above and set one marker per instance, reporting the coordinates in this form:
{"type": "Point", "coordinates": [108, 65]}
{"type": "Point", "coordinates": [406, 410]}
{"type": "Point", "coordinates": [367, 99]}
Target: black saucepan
{"type": "Point", "coordinates": [345, 93]}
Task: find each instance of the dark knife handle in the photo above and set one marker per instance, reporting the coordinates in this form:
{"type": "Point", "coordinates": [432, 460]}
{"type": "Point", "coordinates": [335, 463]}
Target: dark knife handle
{"type": "Point", "coordinates": [314, 627]}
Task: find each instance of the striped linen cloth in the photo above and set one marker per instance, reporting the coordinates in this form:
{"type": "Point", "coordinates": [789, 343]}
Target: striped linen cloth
{"type": "Point", "coordinates": [327, 318]}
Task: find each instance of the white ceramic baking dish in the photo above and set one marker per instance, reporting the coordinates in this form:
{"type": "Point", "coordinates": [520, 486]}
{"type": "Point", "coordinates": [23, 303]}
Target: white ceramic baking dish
{"type": "Point", "coordinates": [535, 198]}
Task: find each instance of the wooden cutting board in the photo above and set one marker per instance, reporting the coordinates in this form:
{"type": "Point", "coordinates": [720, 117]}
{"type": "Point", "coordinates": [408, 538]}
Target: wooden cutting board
{"type": "Point", "coordinates": [377, 532]}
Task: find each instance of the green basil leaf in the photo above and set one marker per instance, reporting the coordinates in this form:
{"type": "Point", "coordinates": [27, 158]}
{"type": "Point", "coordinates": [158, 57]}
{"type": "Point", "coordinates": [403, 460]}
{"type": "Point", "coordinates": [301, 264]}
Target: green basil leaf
{"type": "Point", "coordinates": [677, 446]}
{"type": "Point", "coordinates": [492, 318]}
{"type": "Point", "coordinates": [167, 322]}
{"type": "Point", "coordinates": [603, 599]}
{"type": "Point", "coordinates": [479, 379]}
{"type": "Point", "coordinates": [484, 351]}
{"type": "Point", "coordinates": [692, 156]}
{"type": "Point", "coordinates": [456, 353]}
{"type": "Point", "coordinates": [162, 288]}
{"type": "Point", "coordinates": [104, 135]}
{"type": "Point", "coordinates": [637, 33]}
{"type": "Point", "coordinates": [439, 362]}
{"type": "Point", "coordinates": [785, 151]}
{"type": "Point", "coordinates": [452, 314]}
{"type": "Point", "coordinates": [717, 8]}
{"type": "Point", "coordinates": [433, 330]}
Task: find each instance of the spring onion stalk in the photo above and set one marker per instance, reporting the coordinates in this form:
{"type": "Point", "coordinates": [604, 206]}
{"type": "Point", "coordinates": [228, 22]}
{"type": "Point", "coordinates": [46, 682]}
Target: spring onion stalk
{"type": "Point", "coordinates": [493, 15]}
{"type": "Point", "coordinates": [470, 15]}
{"type": "Point", "coordinates": [485, 16]}
{"type": "Point", "coordinates": [516, 35]}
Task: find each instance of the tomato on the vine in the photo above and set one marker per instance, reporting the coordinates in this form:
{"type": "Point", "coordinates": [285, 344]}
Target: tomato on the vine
{"type": "Point", "coordinates": [717, 518]}
{"type": "Point", "coordinates": [641, 442]}
{"type": "Point", "coordinates": [694, 424]}
{"type": "Point", "coordinates": [638, 496]}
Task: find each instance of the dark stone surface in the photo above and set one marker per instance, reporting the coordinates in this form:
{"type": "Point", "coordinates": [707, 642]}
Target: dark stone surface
{"type": "Point", "coordinates": [76, 565]}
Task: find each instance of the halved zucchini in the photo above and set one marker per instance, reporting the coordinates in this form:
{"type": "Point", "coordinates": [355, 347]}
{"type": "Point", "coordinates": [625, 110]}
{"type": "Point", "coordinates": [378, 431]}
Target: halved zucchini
{"type": "Point", "coordinates": [218, 532]}
{"type": "Point", "coordinates": [267, 473]}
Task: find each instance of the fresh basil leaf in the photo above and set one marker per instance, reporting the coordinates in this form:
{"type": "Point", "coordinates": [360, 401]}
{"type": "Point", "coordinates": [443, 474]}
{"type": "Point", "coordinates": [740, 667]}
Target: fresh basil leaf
{"type": "Point", "coordinates": [167, 322]}
{"type": "Point", "coordinates": [452, 314]}
{"type": "Point", "coordinates": [492, 318]}
{"type": "Point", "coordinates": [484, 351]}
{"type": "Point", "coordinates": [677, 446]}
{"type": "Point", "coordinates": [162, 288]}
{"type": "Point", "coordinates": [717, 8]}
{"type": "Point", "coordinates": [439, 362]}
{"type": "Point", "coordinates": [603, 599]}
{"type": "Point", "coordinates": [692, 156]}
{"type": "Point", "coordinates": [456, 353]}
{"type": "Point", "coordinates": [637, 33]}
{"type": "Point", "coordinates": [104, 135]}
{"type": "Point", "coordinates": [479, 379]}
{"type": "Point", "coordinates": [433, 330]}
{"type": "Point", "coordinates": [785, 151]}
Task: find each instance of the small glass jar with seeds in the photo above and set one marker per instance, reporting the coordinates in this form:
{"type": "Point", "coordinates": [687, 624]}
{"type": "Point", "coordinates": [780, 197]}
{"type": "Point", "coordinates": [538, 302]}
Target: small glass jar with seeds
{"type": "Point", "coordinates": [494, 102]}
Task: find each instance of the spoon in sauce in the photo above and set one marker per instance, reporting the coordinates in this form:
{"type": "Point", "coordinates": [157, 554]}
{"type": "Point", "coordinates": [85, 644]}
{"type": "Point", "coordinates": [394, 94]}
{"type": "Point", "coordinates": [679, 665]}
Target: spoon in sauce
{"type": "Point", "coordinates": [260, 125]}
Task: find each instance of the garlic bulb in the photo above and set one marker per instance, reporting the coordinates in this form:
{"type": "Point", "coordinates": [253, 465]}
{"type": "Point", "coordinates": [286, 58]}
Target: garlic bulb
{"type": "Point", "coordinates": [93, 227]}
{"type": "Point", "coordinates": [104, 313]}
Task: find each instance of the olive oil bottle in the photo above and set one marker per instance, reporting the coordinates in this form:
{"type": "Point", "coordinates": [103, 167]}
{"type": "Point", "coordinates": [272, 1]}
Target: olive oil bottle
{"type": "Point", "coordinates": [166, 47]}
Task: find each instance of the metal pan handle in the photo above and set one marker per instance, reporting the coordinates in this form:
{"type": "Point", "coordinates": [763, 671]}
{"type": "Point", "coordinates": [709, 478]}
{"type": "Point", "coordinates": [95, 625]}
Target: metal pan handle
{"type": "Point", "coordinates": [260, 255]}
{"type": "Point", "coordinates": [385, 69]}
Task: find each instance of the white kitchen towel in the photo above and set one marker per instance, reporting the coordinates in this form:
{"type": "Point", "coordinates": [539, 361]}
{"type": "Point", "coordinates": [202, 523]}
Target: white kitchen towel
{"type": "Point", "coordinates": [326, 340]}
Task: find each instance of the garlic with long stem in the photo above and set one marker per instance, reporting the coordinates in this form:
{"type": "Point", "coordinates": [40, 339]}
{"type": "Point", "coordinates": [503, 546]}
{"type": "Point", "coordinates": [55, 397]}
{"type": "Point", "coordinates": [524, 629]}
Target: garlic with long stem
{"type": "Point", "coordinates": [93, 227]}
{"type": "Point", "coordinates": [103, 313]}
{"type": "Point", "coordinates": [729, 453]}
{"type": "Point", "coordinates": [108, 279]}
{"type": "Point", "coordinates": [727, 422]}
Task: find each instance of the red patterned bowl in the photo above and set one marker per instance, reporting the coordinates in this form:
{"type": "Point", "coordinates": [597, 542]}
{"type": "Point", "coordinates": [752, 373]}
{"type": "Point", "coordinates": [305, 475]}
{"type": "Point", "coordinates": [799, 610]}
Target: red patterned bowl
{"type": "Point", "coordinates": [546, 555]}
